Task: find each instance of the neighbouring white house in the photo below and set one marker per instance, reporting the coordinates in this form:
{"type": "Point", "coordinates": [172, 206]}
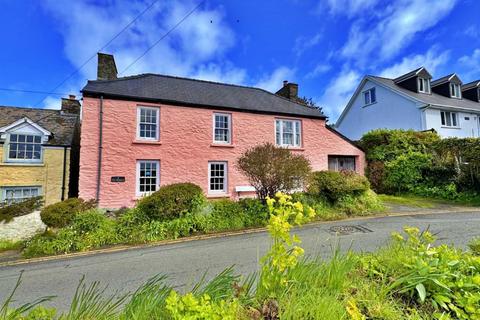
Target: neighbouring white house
{"type": "Point", "coordinates": [413, 101]}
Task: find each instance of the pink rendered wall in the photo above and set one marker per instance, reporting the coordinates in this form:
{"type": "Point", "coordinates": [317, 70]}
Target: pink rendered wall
{"type": "Point", "coordinates": [185, 147]}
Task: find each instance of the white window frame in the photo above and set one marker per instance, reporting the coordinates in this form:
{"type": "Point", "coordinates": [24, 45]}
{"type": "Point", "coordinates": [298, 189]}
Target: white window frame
{"type": "Point", "coordinates": [225, 177]}
{"type": "Point", "coordinates": [294, 125]}
{"type": "Point", "coordinates": [4, 190]}
{"type": "Point", "coordinates": [137, 178]}
{"type": "Point", "coordinates": [229, 121]}
{"type": "Point", "coordinates": [426, 85]}
{"type": "Point", "coordinates": [17, 160]}
{"type": "Point", "coordinates": [367, 96]}
{"type": "Point", "coordinates": [157, 133]}
{"type": "Point", "coordinates": [449, 114]}
{"type": "Point", "coordinates": [455, 90]}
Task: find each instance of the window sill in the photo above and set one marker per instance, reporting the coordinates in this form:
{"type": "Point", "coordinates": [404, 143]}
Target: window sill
{"type": "Point", "coordinates": [218, 195]}
{"type": "Point", "coordinates": [446, 127]}
{"type": "Point", "coordinates": [22, 164]}
{"type": "Point", "coordinates": [157, 142]}
{"type": "Point", "coordinates": [222, 145]}
{"type": "Point", "coordinates": [368, 105]}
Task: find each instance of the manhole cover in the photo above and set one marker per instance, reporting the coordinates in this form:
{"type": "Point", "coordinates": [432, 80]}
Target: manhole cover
{"type": "Point", "coordinates": [346, 230]}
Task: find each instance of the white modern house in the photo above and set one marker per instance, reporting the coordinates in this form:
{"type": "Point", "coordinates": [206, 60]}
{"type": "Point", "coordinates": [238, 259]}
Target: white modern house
{"type": "Point", "coordinates": [413, 101]}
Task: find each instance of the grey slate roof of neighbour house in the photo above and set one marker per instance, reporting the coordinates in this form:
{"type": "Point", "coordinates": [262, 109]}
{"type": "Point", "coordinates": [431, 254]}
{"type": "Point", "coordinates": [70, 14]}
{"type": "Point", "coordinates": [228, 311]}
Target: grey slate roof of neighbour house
{"type": "Point", "coordinates": [411, 74]}
{"type": "Point", "coordinates": [470, 85]}
{"type": "Point", "coordinates": [62, 126]}
{"type": "Point", "coordinates": [200, 93]}
{"type": "Point", "coordinates": [432, 98]}
{"type": "Point", "coordinates": [444, 79]}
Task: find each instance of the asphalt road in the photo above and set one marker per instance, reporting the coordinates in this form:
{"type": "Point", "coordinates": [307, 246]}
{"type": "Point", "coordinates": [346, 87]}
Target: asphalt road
{"type": "Point", "coordinates": [186, 262]}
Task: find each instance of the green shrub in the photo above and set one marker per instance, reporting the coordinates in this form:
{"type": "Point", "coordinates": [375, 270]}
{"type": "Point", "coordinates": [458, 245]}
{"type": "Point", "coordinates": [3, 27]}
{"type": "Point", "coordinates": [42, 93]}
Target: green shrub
{"type": "Point", "coordinates": [255, 212]}
{"type": "Point", "coordinates": [171, 201]}
{"type": "Point", "coordinates": [7, 213]}
{"type": "Point", "coordinates": [334, 185]}
{"type": "Point", "coordinates": [60, 214]}
{"type": "Point", "coordinates": [90, 229]}
{"type": "Point", "coordinates": [406, 171]}
{"type": "Point", "coordinates": [365, 203]}
{"type": "Point", "coordinates": [474, 246]}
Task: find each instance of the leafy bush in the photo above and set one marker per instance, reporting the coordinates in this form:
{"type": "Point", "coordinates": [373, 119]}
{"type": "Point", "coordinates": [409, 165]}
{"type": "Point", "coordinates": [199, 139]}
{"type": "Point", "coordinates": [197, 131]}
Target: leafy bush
{"type": "Point", "coordinates": [171, 201]}
{"type": "Point", "coordinates": [7, 213]}
{"type": "Point", "coordinates": [363, 204]}
{"type": "Point", "coordinates": [271, 169]}
{"type": "Point", "coordinates": [88, 230]}
{"type": "Point", "coordinates": [405, 171]}
{"type": "Point", "coordinates": [60, 214]}
{"type": "Point", "coordinates": [474, 245]}
{"type": "Point", "coordinates": [255, 212]}
{"type": "Point", "coordinates": [334, 185]}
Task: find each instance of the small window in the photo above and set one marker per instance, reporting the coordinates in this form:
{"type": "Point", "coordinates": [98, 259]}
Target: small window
{"type": "Point", "coordinates": [341, 163]}
{"type": "Point", "coordinates": [148, 123]}
{"type": "Point", "coordinates": [222, 128]}
{"type": "Point", "coordinates": [24, 147]}
{"type": "Point", "coordinates": [455, 91]}
{"type": "Point", "coordinates": [18, 194]}
{"type": "Point", "coordinates": [467, 118]}
{"type": "Point", "coordinates": [148, 177]}
{"type": "Point", "coordinates": [449, 119]}
{"type": "Point", "coordinates": [217, 176]}
{"type": "Point", "coordinates": [370, 96]}
{"type": "Point", "coordinates": [288, 133]}
{"type": "Point", "coordinates": [423, 85]}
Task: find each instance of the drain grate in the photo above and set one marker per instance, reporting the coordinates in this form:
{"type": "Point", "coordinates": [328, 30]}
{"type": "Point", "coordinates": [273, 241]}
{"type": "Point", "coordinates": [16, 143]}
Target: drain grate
{"type": "Point", "coordinates": [348, 229]}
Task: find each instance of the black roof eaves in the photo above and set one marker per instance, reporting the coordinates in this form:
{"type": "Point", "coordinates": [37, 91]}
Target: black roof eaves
{"type": "Point", "coordinates": [203, 106]}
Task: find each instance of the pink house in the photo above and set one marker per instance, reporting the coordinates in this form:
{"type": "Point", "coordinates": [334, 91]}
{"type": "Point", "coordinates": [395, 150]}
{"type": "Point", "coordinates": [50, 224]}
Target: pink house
{"type": "Point", "coordinates": [144, 131]}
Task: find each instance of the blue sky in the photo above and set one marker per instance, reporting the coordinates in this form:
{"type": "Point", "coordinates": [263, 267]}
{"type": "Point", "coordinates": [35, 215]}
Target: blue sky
{"type": "Point", "coordinates": [324, 46]}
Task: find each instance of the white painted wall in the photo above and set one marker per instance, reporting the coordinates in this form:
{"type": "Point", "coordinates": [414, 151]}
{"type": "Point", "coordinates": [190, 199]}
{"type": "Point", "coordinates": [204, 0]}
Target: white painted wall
{"type": "Point", "coordinates": [391, 111]}
{"type": "Point", "coordinates": [466, 128]}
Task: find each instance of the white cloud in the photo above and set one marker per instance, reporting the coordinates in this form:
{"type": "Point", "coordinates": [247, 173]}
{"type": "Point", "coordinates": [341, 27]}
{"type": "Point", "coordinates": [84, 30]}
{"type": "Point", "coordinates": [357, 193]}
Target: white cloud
{"type": "Point", "coordinates": [394, 29]}
{"type": "Point", "coordinates": [196, 47]}
{"type": "Point", "coordinates": [303, 43]}
{"type": "Point", "coordinates": [338, 92]}
{"type": "Point", "coordinates": [319, 69]}
{"type": "Point", "coordinates": [470, 64]}
{"type": "Point", "coordinates": [274, 81]}
{"type": "Point", "coordinates": [432, 60]}
{"type": "Point", "coordinates": [53, 103]}
{"type": "Point", "coordinates": [349, 7]}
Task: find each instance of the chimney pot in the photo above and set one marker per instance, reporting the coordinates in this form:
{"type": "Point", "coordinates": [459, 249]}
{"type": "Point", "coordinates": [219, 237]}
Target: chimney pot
{"type": "Point", "coordinates": [289, 91]}
{"type": "Point", "coordinates": [285, 82]}
{"type": "Point", "coordinates": [71, 97]}
{"type": "Point", "coordinates": [70, 105]}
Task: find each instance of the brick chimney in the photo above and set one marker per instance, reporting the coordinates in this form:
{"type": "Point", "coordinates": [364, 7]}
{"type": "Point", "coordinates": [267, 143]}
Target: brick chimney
{"type": "Point", "coordinates": [289, 90]}
{"type": "Point", "coordinates": [106, 68]}
{"type": "Point", "coordinates": [70, 105]}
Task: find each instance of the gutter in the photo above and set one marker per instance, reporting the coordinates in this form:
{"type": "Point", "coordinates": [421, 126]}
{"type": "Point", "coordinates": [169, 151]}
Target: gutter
{"type": "Point", "coordinates": [100, 148]}
{"type": "Point", "coordinates": [64, 172]}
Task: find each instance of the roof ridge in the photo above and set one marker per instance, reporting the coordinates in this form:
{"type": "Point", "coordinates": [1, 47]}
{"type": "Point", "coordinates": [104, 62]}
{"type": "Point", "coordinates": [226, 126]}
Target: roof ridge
{"type": "Point", "coordinates": [30, 108]}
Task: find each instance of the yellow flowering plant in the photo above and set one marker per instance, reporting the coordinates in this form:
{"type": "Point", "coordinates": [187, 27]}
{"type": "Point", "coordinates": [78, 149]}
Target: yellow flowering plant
{"type": "Point", "coordinates": [284, 253]}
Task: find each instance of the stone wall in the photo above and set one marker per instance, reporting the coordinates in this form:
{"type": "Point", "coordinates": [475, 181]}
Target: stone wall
{"type": "Point", "coordinates": [23, 227]}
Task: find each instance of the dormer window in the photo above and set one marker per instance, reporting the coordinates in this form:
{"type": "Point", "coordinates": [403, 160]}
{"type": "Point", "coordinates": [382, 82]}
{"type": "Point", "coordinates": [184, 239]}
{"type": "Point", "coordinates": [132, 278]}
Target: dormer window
{"type": "Point", "coordinates": [423, 85]}
{"type": "Point", "coordinates": [455, 91]}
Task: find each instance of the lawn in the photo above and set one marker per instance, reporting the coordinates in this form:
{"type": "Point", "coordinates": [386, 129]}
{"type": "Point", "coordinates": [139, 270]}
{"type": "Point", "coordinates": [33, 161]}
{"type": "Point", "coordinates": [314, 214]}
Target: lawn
{"type": "Point", "coordinates": [411, 200]}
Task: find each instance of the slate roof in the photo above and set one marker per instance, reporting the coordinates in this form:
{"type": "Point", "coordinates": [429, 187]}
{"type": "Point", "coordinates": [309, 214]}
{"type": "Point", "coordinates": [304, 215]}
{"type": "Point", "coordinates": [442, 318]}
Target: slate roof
{"type": "Point", "coordinates": [432, 99]}
{"type": "Point", "coordinates": [471, 85]}
{"type": "Point", "coordinates": [62, 126]}
{"type": "Point", "coordinates": [445, 79]}
{"type": "Point", "coordinates": [200, 93]}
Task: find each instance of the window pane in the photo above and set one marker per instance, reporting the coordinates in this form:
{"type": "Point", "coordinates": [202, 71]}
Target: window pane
{"type": "Point", "coordinates": [373, 97]}
{"type": "Point", "coordinates": [217, 176]}
{"type": "Point", "coordinates": [24, 147]}
{"type": "Point", "coordinates": [442, 115]}
{"type": "Point", "coordinates": [449, 121]}
{"type": "Point", "coordinates": [454, 119]}
{"type": "Point", "coordinates": [367, 97]}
